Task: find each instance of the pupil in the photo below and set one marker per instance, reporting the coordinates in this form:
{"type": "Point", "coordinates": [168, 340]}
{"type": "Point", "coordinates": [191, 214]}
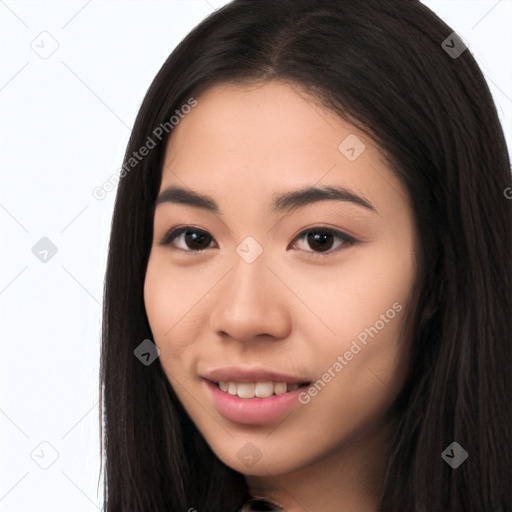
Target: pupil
{"type": "Point", "coordinates": [317, 239]}
{"type": "Point", "coordinates": [198, 238]}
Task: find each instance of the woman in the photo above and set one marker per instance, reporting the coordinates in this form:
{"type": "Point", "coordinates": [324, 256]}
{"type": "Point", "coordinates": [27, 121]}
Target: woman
{"type": "Point", "coordinates": [309, 287]}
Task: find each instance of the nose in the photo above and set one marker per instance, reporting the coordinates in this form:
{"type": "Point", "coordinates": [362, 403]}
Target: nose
{"type": "Point", "coordinates": [251, 304]}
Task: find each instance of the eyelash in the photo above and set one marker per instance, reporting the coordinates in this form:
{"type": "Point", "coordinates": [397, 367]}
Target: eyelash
{"type": "Point", "coordinates": [346, 239]}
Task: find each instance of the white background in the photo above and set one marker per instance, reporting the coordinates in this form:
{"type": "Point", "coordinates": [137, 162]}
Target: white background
{"type": "Point", "coordinates": [66, 120]}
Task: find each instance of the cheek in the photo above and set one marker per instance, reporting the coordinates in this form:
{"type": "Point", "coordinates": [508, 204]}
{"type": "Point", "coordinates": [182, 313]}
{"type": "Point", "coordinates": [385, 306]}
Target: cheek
{"type": "Point", "coordinates": [174, 323]}
{"type": "Point", "coordinates": [362, 362]}
{"type": "Point", "coordinates": [371, 286]}
{"type": "Point", "coordinates": [169, 296]}
{"type": "Point", "coordinates": [164, 303]}
{"type": "Point", "coordinates": [175, 309]}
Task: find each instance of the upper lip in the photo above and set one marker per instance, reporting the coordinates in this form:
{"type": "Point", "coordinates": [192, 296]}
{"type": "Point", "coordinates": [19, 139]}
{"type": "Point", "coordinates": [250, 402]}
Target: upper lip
{"type": "Point", "coordinates": [230, 373]}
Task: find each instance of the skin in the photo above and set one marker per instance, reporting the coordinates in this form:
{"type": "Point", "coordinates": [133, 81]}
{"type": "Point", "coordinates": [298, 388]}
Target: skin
{"type": "Point", "coordinates": [288, 310]}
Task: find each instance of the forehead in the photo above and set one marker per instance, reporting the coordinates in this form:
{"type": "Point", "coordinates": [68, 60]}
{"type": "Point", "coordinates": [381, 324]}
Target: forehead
{"type": "Point", "coordinates": [269, 136]}
{"type": "Point", "coordinates": [246, 119]}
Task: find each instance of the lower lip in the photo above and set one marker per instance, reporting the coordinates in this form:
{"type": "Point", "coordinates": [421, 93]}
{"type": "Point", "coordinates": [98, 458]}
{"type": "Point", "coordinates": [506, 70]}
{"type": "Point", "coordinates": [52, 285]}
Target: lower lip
{"type": "Point", "coordinates": [253, 411]}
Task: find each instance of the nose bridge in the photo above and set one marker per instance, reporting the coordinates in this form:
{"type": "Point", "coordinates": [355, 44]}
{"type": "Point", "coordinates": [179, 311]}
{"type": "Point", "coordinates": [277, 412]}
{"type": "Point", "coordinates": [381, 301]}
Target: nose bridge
{"type": "Point", "coordinates": [248, 290]}
{"type": "Point", "coordinates": [250, 302]}
{"type": "Point", "coordinates": [249, 272]}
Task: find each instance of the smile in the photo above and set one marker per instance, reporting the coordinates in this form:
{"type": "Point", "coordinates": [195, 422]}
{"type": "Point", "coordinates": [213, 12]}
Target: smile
{"type": "Point", "coordinates": [256, 389]}
{"type": "Point", "coordinates": [243, 405]}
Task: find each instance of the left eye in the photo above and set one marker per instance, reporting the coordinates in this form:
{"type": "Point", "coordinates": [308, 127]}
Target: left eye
{"type": "Point", "coordinates": [320, 240]}
{"type": "Point", "coordinates": [193, 236]}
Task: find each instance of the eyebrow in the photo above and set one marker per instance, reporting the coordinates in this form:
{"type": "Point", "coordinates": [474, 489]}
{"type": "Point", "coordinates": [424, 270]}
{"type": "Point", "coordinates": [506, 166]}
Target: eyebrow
{"type": "Point", "coordinates": [283, 203]}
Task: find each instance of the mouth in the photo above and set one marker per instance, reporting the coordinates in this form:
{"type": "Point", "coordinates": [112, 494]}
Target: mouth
{"type": "Point", "coordinates": [251, 390]}
{"type": "Point", "coordinates": [254, 403]}
{"type": "Point", "coordinates": [253, 394]}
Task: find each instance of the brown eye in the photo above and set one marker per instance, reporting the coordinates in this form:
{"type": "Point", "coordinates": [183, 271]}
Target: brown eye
{"type": "Point", "coordinates": [193, 240]}
{"type": "Point", "coordinates": [322, 240]}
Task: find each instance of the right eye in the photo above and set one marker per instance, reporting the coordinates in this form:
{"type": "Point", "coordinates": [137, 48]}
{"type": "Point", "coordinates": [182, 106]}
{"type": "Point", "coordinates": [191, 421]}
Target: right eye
{"type": "Point", "coordinates": [194, 239]}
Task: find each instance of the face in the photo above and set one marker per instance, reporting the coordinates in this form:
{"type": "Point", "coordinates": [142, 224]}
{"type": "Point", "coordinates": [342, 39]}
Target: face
{"type": "Point", "coordinates": [278, 297]}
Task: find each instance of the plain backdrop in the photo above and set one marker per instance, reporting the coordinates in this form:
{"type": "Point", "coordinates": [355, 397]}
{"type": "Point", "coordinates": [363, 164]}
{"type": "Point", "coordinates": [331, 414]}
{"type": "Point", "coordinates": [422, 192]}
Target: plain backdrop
{"type": "Point", "coordinates": [72, 77]}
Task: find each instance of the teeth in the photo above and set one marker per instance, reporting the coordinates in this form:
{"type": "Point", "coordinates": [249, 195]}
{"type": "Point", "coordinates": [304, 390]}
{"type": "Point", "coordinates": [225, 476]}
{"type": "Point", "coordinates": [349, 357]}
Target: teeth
{"type": "Point", "coordinates": [245, 390]}
{"type": "Point", "coordinates": [280, 388]}
{"type": "Point", "coordinates": [263, 389]}
{"type": "Point", "coordinates": [257, 389]}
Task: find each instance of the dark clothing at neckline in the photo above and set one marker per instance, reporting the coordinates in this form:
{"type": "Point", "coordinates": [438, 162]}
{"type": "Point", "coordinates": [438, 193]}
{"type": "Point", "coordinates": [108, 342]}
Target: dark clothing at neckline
{"type": "Point", "coordinates": [258, 504]}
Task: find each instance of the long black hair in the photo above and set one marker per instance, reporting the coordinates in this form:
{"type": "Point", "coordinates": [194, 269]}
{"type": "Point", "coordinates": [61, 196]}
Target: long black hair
{"type": "Point", "coordinates": [384, 66]}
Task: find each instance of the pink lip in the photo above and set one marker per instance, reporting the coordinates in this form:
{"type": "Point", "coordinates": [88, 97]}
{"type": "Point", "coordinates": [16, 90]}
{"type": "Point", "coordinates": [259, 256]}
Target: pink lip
{"type": "Point", "coordinates": [248, 374]}
{"type": "Point", "coordinates": [252, 411]}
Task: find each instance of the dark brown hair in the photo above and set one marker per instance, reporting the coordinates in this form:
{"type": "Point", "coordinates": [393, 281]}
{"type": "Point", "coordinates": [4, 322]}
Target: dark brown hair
{"type": "Point", "coordinates": [380, 65]}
